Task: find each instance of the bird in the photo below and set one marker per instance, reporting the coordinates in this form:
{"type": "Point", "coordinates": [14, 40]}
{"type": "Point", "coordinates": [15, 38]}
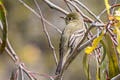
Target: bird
{"type": "Point", "coordinates": [71, 35]}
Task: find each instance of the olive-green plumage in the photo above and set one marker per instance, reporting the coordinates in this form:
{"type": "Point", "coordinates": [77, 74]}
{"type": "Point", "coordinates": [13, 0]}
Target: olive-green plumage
{"type": "Point", "coordinates": [72, 34]}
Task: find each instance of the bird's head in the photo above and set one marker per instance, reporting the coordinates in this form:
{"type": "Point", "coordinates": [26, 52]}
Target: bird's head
{"type": "Point", "coordinates": [72, 17]}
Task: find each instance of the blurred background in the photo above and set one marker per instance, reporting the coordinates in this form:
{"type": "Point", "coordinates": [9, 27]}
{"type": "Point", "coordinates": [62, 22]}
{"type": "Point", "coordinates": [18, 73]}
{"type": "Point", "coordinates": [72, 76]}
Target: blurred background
{"type": "Point", "coordinates": [30, 43]}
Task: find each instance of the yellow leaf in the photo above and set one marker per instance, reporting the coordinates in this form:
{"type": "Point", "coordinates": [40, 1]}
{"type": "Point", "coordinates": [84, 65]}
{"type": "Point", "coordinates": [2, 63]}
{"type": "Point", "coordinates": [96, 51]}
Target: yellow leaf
{"type": "Point", "coordinates": [117, 24]}
{"type": "Point", "coordinates": [107, 6]}
{"type": "Point", "coordinates": [117, 17]}
{"type": "Point", "coordinates": [96, 41]}
{"type": "Point", "coordinates": [118, 39]}
{"type": "Point", "coordinates": [2, 6]}
{"type": "Point", "coordinates": [88, 50]}
{"type": "Point", "coordinates": [114, 31]}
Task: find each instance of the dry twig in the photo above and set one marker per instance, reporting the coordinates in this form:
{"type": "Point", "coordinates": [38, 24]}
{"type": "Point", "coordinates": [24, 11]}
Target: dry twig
{"type": "Point", "coordinates": [46, 32]}
{"type": "Point", "coordinates": [33, 11]}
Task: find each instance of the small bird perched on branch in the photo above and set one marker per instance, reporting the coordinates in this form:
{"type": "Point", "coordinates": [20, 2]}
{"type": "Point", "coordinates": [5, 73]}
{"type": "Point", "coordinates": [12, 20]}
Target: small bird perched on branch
{"type": "Point", "coordinates": [72, 34]}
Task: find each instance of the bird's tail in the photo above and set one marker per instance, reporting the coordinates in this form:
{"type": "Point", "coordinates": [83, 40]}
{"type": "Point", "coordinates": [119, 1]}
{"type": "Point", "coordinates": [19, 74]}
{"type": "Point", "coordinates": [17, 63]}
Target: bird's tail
{"type": "Point", "coordinates": [62, 62]}
{"type": "Point", "coordinates": [59, 67]}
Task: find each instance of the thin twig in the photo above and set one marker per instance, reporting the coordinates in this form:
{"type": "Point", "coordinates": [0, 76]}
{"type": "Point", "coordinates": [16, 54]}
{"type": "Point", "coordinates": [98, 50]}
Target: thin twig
{"type": "Point", "coordinates": [46, 33]}
{"type": "Point", "coordinates": [15, 58]}
{"type": "Point", "coordinates": [117, 77]}
{"type": "Point", "coordinates": [112, 37]}
{"type": "Point", "coordinates": [90, 33]}
{"type": "Point", "coordinates": [35, 73]}
{"type": "Point", "coordinates": [82, 14]}
{"type": "Point", "coordinates": [111, 33]}
{"type": "Point", "coordinates": [101, 13]}
{"type": "Point", "coordinates": [33, 76]}
{"type": "Point", "coordinates": [68, 5]}
{"type": "Point", "coordinates": [27, 73]}
{"type": "Point", "coordinates": [115, 5]}
{"type": "Point", "coordinates": [16, 74]}
{"type": "Point", "coordinates": [88, 10]}
{"type": "Point", "coordinates": [53, 6]}
{"type": "Point", "coordinates": [112, 10]}
{"type": "Point", "coordinates": [4, 29]}
{"type": "Point", "coordinates": [34, 12]}
{"type": "Point", "coordinates": [21, 73]}
{"type": "Point", "coordinates": [42, 75]}
{"type": "Point", "coordinates": [11, 52]}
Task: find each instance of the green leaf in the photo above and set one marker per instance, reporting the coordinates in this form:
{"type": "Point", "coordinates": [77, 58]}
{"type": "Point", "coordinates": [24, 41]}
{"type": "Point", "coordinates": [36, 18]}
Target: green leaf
{"type": "Point", "coordinates": [112, 57]}
{"type": "Point", "coordinates": [103, 69]}
{"type": "Point", "coordinates": [103, 63]}
{"type": "Point", "coordinates": [86, 66]}
{"type": "Point", "coordinates": [118, 39]}
{"type": "Point", "coordinates": [104, 51]}
{"type": "Point", "coordinates": [3, 24]}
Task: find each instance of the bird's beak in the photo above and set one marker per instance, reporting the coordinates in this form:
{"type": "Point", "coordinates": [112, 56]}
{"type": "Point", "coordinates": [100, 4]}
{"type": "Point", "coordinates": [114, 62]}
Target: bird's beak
{"type": "Point", "coordinates": [62, 17]}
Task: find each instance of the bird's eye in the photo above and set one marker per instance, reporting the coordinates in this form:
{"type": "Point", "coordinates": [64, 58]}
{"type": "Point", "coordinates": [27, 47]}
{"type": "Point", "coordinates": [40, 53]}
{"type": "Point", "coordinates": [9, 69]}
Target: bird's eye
{"type": "Point", "coordinates": [70, 18]}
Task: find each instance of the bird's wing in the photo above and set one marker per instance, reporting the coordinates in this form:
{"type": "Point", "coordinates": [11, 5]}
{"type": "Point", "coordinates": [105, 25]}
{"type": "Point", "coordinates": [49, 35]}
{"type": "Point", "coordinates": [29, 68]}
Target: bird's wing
{"type": "Point", "coordinates": [63, 46]}
{"type": "Point", "coordinates": [75, 38]}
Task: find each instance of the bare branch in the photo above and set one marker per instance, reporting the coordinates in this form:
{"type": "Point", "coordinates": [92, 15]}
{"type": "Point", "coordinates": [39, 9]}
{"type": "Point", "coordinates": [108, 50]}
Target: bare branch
{"type": "Point", "coordinates": [113, 37]}
{"type": "Point", "coordinates": [102, 12]}
{"type": "Point", "coordinates": [42, 75]}
{"type": "Point", "coordinates": [113, 6]}
{"type": "Point", "coordinates": [21, 73]}
{"type": "Point", "coordinates": [116, 77]}
{"type": "Point", "coordinates": [68, 5]}
{"type": "Point", "coordinates": [46, 33]}
{"type": "Point", "coordinates": [15, 58]}
{"type": "Point", "coordinates": [27, 73]}
{"type": "Point", "coordinates": [34, 12]}
{"type": "Point", "coordinates": [76, 7]}
{"type": "Point", "coordinates": [88, 10]}
{"type": "Point", "coordinates": [53, 6]}
{"type": "Point", "coordinates": [11, 52]}
{"type": "Point", "coordinates": [16, 75]}
{"type": "Point", "coordinates": [113, 3]}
